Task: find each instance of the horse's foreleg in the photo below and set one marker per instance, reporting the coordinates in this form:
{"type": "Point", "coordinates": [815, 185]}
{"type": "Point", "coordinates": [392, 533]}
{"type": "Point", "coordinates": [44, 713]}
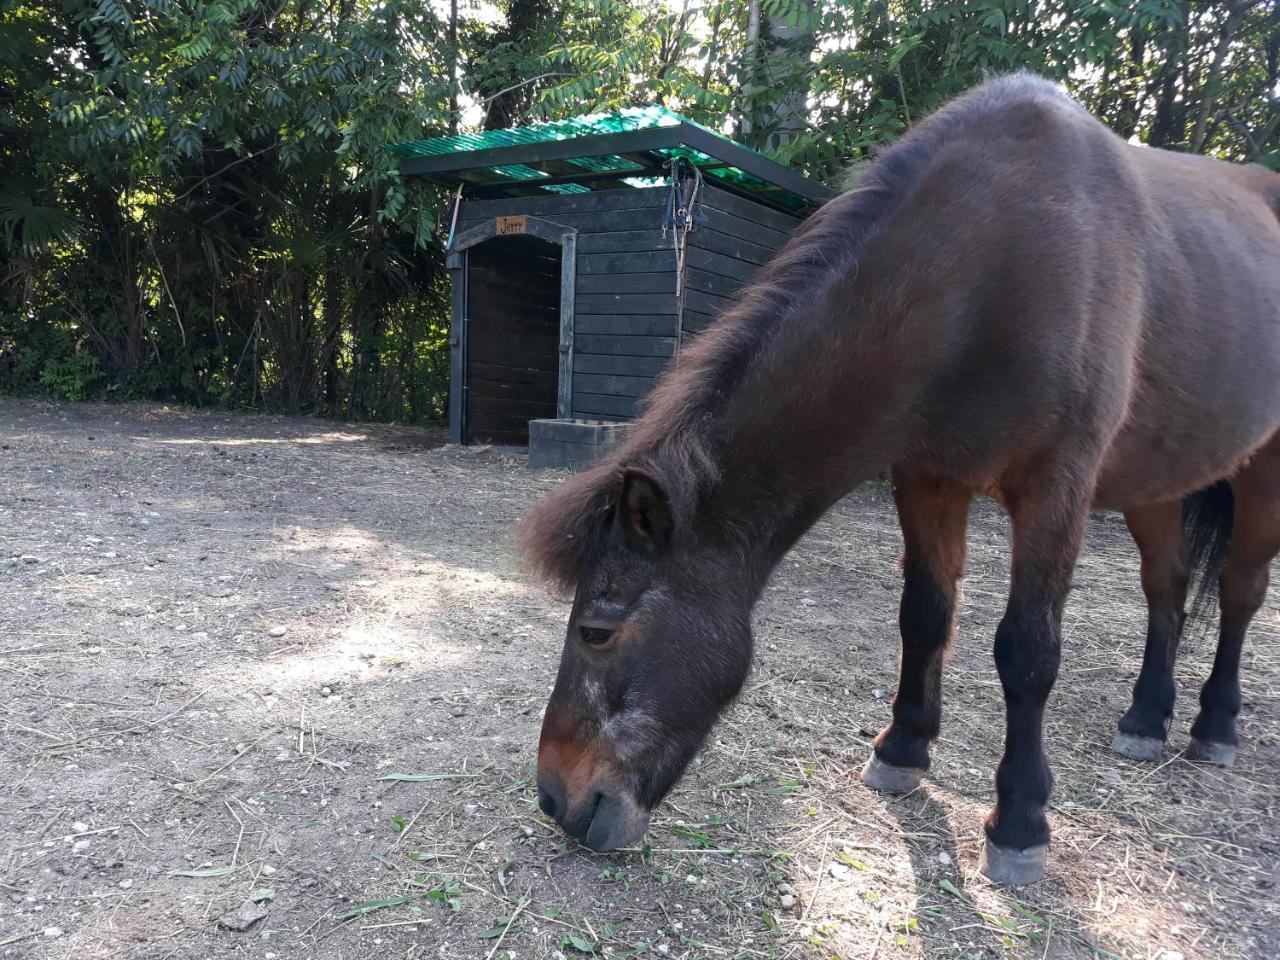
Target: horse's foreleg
{"type": "Point", "coordinates": [1255, 541]}
{"type": "Point", "coordinates": [1157, 529]}
{"type": "Point", "coordinates": [1048, 526]}
{"type": "Point", "coordinates": [933, 513]}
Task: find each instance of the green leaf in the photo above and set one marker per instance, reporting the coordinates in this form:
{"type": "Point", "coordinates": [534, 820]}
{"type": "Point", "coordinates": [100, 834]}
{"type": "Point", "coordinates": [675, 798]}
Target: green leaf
{"type": "Point", "coordinates": [205, 872]}
{"type": "Point", "coordinates": [262, 894]}
{"type": "Point", "coordinates": [578, 943]}
{"type": "Point", "coordinates": [429, 777]}
{"type": "Point", "coordinates": [369, 906]}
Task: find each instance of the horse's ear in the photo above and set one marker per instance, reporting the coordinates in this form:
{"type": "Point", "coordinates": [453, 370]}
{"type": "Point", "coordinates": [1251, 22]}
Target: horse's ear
{"type": "Point", "coordinates": [644, 514]}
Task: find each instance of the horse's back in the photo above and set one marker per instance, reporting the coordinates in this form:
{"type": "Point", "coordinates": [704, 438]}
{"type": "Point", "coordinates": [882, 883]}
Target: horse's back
{"type": "Point", "coordinates": [1077, 286]}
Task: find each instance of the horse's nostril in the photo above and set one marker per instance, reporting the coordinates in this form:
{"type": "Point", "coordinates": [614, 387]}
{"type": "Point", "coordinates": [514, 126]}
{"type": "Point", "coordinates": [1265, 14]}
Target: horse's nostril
{"type": "Point", "coordinates": [549, 801]}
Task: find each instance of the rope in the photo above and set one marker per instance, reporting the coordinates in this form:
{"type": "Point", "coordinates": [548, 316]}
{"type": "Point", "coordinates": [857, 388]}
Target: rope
{"type": "Point", "coordinates": [681, 217]}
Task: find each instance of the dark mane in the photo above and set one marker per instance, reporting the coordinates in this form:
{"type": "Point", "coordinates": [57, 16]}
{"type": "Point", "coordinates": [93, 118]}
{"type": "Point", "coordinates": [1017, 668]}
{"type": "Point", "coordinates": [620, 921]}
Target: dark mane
{"type": "Point", "coordinates": [676, 438]}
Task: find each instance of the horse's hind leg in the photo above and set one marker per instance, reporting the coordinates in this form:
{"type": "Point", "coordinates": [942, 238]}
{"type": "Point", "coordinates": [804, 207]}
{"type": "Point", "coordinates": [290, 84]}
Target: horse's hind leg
{"type": "Point", "coordinates": [933, 513]}
{"type": "Point", "coordinates": [1157, 529]}
{"type": "Point", "coordinates": [1255, 541]}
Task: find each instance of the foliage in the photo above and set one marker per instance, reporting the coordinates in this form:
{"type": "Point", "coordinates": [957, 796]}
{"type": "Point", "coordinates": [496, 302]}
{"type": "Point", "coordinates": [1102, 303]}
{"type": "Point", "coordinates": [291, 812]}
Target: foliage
{"type": "Point", "coordinates": [198, 193]}
{"type": "Point", "coordinates": [195, 201]}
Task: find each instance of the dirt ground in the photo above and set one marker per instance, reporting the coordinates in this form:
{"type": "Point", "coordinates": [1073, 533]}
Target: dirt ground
{"type": "Point", "coordinates": [358, 784]}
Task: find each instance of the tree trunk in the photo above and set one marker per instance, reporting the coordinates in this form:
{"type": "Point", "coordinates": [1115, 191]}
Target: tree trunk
{"type": "Point", "coordinates": [776, 111]}
{"type": "Point", "coordinates": [514, 97]}
{"type": "Point", "coordinates": [453, 67]}
{"type": "Point", "coordinates": [789, 49]}
{"type": "Point", "coordinates": [1169, 126]}
{"type": "Point", "coordinates": [1208, 96]}
{"type": "Point", "coordinates": [745, 125]}
{"type": "Point", "coordinates": [1131, 103]}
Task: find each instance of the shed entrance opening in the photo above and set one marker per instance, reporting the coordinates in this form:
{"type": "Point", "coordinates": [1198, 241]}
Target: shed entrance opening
{"type": "Point", "coordinates": [513, 337]}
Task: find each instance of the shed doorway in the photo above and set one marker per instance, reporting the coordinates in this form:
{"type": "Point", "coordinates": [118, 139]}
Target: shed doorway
{"type": "Point", "coordinates": [513, 337]}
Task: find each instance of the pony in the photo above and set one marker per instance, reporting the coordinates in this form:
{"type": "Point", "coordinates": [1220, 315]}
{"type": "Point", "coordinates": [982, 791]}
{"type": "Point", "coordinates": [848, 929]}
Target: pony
{"type": "Point", "coordinates": [1012, 302]}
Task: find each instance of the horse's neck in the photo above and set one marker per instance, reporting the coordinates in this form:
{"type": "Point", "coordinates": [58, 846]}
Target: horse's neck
{"type": "Point", "coordinates": [810, 422]}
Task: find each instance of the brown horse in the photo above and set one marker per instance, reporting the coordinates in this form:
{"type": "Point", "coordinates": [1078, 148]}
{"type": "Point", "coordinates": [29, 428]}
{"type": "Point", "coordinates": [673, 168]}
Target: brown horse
{"type": "Point", "coordinates": [1012, 302]}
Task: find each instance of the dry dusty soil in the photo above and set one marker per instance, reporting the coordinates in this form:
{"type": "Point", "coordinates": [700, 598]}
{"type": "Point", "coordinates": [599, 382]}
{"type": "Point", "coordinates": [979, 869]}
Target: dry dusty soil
{"type": "Point", "coordinates": [173, 764]}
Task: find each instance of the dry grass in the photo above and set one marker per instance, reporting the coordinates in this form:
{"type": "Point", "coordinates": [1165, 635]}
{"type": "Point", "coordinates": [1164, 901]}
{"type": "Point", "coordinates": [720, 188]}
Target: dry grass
{"type": "Point", "coordinates": [365, 778]}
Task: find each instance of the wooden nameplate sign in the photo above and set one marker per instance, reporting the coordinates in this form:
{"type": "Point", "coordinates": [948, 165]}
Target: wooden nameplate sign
{"type": "Point", "coordinates": [510, 226]}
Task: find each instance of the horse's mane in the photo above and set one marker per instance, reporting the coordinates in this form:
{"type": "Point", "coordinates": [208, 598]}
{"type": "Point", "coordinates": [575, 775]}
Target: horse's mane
{"type": "Point", "coordinates": [677, 437]}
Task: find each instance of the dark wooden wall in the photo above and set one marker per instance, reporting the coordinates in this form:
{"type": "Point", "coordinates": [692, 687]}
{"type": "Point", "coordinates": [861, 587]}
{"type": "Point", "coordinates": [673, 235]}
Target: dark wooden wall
{"type": "Point", "coordinates": [626, 313]}
{"type": "Point", "coordinates": [513, 336]}
{"type": "Point", "coordinates": [735, 240]}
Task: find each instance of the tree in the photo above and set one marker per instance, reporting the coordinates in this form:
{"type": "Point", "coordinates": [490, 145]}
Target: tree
{"type": "Point", "coordinates": [196, 202]}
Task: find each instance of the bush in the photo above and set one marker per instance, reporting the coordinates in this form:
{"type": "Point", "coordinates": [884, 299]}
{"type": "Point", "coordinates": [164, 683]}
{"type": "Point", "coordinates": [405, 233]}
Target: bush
{"type": "Point", "coordinates": [44, 358]}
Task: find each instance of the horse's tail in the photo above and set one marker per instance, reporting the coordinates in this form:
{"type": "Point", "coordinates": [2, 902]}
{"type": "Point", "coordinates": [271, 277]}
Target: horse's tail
{"type": "Point", "coordinates": [1206, 523]}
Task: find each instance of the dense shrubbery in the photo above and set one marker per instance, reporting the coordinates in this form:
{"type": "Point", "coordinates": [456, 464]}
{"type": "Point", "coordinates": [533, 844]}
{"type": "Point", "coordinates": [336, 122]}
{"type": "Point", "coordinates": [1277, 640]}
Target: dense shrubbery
{"type": "Point", "coordinates": [195, 202]}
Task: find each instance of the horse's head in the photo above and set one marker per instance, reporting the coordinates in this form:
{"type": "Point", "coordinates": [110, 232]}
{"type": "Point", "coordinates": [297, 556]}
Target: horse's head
{"type": "Point", "coordinates": [659, 642]}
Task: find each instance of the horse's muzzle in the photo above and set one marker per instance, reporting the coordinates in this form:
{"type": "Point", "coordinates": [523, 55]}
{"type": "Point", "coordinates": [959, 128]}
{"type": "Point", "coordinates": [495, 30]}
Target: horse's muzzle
{"type": "Point", "coordinates": [605, 820]}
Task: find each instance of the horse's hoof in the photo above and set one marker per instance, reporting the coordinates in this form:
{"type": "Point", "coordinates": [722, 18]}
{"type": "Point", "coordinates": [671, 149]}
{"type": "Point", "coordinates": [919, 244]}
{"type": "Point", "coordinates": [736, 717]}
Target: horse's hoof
{"type": "Point", "coordinates": [885, 778]}
{"type": "Point", "coordinates": [1137, 748]}
{"type": "Point", "coordinates": [1206, 751]}
{"type": "Point", "coordinates": [1013, 868]}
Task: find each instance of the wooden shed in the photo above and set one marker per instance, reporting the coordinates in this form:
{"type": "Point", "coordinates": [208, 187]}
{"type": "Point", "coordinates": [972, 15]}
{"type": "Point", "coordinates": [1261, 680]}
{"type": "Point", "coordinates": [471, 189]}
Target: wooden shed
{"type": "Point", "coordinates": [584, 253]}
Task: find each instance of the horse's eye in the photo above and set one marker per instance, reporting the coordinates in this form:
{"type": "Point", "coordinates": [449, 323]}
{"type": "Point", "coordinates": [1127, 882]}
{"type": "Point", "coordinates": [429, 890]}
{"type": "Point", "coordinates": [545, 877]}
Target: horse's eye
{"type": "Point", "coordinates": [595, 636]}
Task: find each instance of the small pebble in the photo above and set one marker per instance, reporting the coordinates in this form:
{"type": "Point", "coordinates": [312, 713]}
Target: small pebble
{"type": "Point", "coordinates": [944, 858]}
{"type": "Point", "coordinates": [268, 870]}
{"type": "Point", "coordinates": [470, 809]}
{"type": "Point", "coordinates": [125, 884]}
{"type": "Point", "coordinates": [878, 693]}
{"type": "Point", "coordinates": [277, 631]}
{"type": "Point", "coordinates": [80, 846]}
{"type": "Point", "coordinates": [787, 901]}
{"type": "Point", "coordinates": [79, 827]}
{"type": "Point", "coordinates": [326, 691]}
{"type": "Point", "coordinates": [52, 932]}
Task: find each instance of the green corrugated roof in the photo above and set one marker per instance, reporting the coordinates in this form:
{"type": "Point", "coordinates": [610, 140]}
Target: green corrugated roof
{"type": "Point", "coordinates": [591, 172]}
{"type": "Point", "coordinates": [619, 121]}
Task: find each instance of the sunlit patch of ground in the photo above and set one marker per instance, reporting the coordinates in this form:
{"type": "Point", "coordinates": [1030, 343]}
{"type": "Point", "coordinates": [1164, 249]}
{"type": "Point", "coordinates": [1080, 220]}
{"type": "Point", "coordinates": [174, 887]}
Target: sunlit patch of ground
{"type": "Point", "coordinates": [169, 753]}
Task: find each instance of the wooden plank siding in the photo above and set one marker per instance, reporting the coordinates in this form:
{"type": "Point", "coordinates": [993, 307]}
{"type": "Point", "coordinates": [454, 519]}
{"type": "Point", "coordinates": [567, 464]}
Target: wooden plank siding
{"type": "Point", "coordinates": [552, 205]}
{"type": "Point", "coordinates": [603, 406]}
{"type": "Point", "coordinates": [623, 241]}
{"type": "Point", "coordinates": [624, 365]}
{"type": "Point", "coordinates": [635, 325]}
{"type": "Point", "coordinates": [726, 252]}
{"type": "Point", "coordinates": [648, 261]}
{"type": "Point", "coordinates": [625, 345]}
{"type": "Point", "coordinates": [664, 282]}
